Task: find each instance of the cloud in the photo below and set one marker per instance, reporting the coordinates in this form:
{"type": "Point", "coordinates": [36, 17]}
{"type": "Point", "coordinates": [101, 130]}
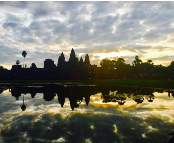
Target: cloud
{"type": "Point", "coordinates": [10, 25]}
{"type": "Point", "coordinates": [88, 27]}
{"type": "Point", "coordinates": [21, 4]}
{"type": "Point", "coordinates": [164, 58]}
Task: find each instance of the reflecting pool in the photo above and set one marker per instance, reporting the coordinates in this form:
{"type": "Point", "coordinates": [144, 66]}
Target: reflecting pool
{"type": "Point", "coordinates": [91, 114]}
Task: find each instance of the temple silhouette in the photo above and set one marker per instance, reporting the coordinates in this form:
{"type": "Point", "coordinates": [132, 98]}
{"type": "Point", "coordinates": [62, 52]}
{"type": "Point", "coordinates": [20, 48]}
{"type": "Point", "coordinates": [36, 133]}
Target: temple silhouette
{"type": "Point", "coordinates": [72, 69]}
{"type": "Point", "coordinates": [79, 68]}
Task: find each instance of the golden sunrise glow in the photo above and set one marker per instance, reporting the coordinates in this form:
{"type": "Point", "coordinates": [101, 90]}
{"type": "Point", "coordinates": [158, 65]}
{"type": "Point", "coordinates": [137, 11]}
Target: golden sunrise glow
{"type": "Point", "coordinates": [80, 54]}
{"type": "Point", "coordinates": [93, 58]}
{"type": "Point", "coordinates": [113, 54]}
{"type": "Point", "coordinates": [55, 46]}
{"type": "Point", "coordinates": [158, 53]}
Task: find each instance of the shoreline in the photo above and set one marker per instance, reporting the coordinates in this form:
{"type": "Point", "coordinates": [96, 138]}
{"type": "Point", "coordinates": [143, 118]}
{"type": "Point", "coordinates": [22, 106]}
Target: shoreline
{"type": "Point", "coordinates": [112, 82]}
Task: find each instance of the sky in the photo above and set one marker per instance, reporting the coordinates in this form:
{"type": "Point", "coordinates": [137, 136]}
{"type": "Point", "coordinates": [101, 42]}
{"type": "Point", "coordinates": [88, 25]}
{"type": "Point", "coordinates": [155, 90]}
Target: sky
{"type": "Point", "coordinates": [99, 29]}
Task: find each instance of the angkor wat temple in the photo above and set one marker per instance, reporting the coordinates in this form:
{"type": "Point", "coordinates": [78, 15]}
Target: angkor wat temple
{"type": "Point", "coordinates": [72, 69]}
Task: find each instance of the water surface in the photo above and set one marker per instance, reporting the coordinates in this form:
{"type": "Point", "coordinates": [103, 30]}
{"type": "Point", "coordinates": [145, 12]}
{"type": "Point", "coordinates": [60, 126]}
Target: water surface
{"type": "Point", "coordinates": [98, 114]}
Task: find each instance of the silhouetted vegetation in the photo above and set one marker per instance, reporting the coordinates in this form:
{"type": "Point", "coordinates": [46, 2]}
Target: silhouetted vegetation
{"type": "Point", "coordinates": [24, 54]}
{"type": "Point", "coordinates": [142, 70]}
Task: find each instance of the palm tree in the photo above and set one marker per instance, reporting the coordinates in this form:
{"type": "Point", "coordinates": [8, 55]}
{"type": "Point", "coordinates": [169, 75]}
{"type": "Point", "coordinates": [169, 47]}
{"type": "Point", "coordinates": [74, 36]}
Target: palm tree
{"type": "Point", "coordinates": [17, 62]}
{"type": "Point", "coordinates": [24, 54]}
{"type": "Point", "coordinates": [149, 61]}
{"type": "Point", "coordinates": [23, 107]}
{"type": "Point", "coordinates": [137, 61]}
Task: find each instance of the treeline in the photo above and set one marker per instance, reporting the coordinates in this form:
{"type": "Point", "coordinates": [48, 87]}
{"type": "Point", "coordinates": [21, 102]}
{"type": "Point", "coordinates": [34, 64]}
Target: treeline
{"type": "Point", "coordinates": [119, 69]}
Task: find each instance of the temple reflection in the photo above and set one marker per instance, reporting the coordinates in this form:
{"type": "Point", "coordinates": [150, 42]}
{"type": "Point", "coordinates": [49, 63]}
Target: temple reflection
{"type": "Point", "coordinates": [77, 94]}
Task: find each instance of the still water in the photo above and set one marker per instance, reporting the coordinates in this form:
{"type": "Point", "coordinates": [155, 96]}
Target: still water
{"type": "Point", "coordinates": [91, 114]}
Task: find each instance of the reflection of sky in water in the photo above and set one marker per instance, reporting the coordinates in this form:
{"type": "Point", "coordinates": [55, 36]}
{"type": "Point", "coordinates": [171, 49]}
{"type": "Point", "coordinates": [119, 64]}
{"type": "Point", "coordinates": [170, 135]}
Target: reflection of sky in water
{"type": "Point", "coordinates": [44, 121]}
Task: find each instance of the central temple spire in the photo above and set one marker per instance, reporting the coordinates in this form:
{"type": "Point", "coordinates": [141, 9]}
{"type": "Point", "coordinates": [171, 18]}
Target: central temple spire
{"type": "Point", "coordinates": [72, 55]}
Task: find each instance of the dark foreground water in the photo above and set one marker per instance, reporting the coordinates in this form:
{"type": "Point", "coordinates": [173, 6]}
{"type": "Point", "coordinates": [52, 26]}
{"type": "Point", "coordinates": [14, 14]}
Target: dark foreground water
{"type": "Point", "coordinates": [90, 114]}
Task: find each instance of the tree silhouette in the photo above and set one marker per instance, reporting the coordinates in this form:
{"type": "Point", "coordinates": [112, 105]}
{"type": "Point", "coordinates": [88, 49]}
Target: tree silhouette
{"type": "Point", "coordinates": [23, 107]}
{"type": "Point", "coordinates": [17, 62]}
{"type": "Point", "coordinates": [136, 63]}
{"type": "Point", "coordinates": [24, 54]}
{"type": "Point", "coordinates": [33, 66]}
{"type": "Point", "coordinates": [149, 61]}
{"type": "Point", "coordinates": [106, 64]}
{"type": "Point", "coordinates": [1, 67]}
{"type": "Point", "coordinates": [119, 65]}
{"type": "Point", "coordinates": [107, 68]}
{"type": "Point", "coordinates": [146, 67]}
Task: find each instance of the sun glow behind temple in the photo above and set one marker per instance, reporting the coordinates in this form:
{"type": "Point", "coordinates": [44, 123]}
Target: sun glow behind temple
{"type": "Point", "coordinates": [112, 55]}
